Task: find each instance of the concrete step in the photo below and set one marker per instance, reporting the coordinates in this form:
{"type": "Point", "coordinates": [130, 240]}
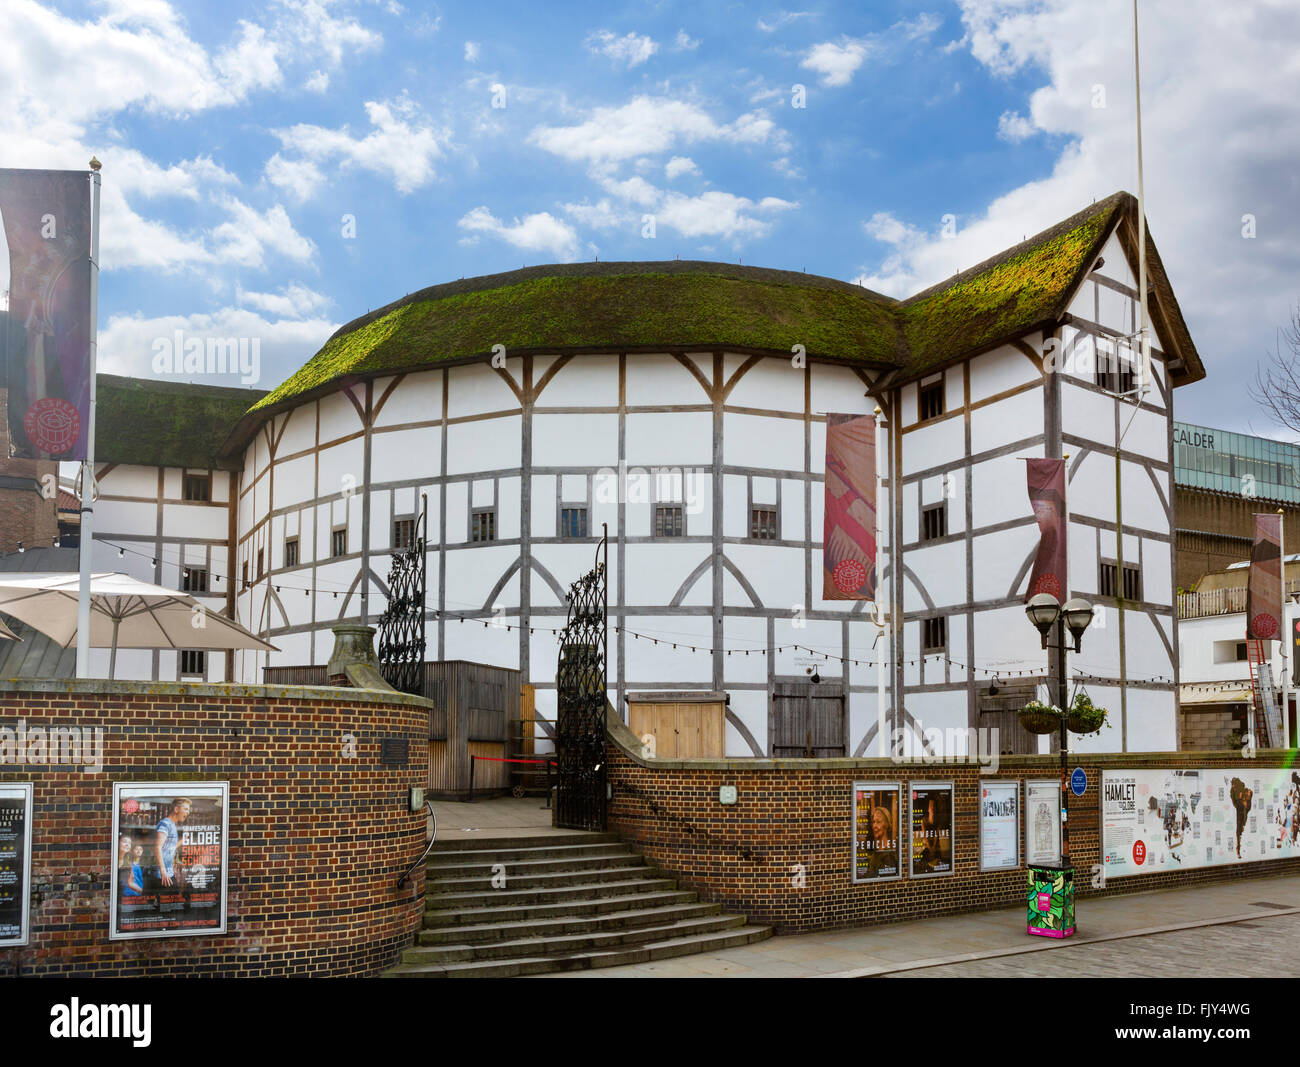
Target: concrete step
{"type": "Point", "coordinates": [568, 837]}
{"type": "Point", "coordinates": [525, 854]}
{"type": "Point", "coordinates": [634, 912]}
{"type": "Point", "coordinates": [667, 948]}
{"type": "Point", "coordinates": [449, 905]}
{"type": "Point", "coordinates": [563, 944]}
{"type": "Point", "coordinates": [631, 867]}
{"type": "Point", "coordinates": [586, 860]}
{"type": "Point", "coordinates": [485, 908]}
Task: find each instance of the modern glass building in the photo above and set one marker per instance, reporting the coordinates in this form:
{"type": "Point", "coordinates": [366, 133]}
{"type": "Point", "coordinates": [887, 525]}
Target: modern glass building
{"type": "Point", "coordinates": [1226, 462]}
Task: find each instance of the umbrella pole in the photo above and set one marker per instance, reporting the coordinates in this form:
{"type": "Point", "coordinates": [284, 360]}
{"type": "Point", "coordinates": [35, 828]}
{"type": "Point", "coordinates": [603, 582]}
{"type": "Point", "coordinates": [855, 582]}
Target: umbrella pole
{"type": "Point", "coordinates": [112, 655]}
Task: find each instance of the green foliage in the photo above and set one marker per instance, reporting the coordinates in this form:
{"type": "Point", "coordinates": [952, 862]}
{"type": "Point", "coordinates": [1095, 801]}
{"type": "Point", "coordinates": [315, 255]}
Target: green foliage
{"type": "Point", "coordinates": [1086, 717]}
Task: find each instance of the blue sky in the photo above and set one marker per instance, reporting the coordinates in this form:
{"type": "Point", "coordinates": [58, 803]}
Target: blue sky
{"type": "Point", "coordinates": [236, 138]}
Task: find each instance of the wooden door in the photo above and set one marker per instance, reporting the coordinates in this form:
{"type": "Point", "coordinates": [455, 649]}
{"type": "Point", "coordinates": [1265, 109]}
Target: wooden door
{"type": "Point", "coordinates": [807, 719]}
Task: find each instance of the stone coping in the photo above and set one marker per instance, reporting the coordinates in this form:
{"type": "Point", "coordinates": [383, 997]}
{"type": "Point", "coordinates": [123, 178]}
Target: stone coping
{"type": "Point", "coordinates": [618, 732]}
{"type": "Point", "coordinates": [73, 687]}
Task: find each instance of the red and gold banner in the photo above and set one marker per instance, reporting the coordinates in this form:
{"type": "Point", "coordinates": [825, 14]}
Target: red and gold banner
{"type": "Point", "coordinates": [849, 539]}
{"type": "Point", "coordinates": [1264, 587]}
{"type": "Point", "coordinates": [46, 333]}
{"type": "Point", "coordinates": [1047, 497]}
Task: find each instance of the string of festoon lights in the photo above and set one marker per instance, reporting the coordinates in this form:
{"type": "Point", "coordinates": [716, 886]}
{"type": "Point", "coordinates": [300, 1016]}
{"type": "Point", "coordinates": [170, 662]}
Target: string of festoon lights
{"type": "Point", "coordinates": [994, 672]}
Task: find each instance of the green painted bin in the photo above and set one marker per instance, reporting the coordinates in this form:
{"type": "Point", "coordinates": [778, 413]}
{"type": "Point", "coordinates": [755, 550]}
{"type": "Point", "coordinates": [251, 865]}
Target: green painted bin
{"type": "Point", "coordinates": [1050, 898]}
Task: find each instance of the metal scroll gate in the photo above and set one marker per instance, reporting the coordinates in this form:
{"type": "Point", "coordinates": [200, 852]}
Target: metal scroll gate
{"type": "Point", "coordinates": [581, 701]}
{"type": "Point", "coordinates": [401, 626]}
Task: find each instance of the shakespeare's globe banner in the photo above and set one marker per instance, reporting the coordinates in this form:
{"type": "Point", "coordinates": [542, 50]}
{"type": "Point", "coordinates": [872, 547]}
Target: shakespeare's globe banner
{"type": "Point", "coordinates": [1264, 586]}
{"type": "Point", "coordinates": [849, 538]}
{"type": "Point", "coordinates": [1047, 497]}
{"type": "Point", "coordinates": [46, 332]}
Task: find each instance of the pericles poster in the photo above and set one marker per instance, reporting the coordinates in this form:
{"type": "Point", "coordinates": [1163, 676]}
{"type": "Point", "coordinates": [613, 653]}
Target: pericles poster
{"type": "Point", "coordinates": [877, 852]}
{"type": "Point", "coordinates": [169, 867]}
{"type": "Point", "coordinates": [999, 825]}
{"type": "Point", "coordinates": [1154, 820]}
{"type": "Point", "coordinates": [1043, 823]}
{"type": "Point", "coordinates": [15, 861]}
{"type": "Point", "coordinates": [931, 828]}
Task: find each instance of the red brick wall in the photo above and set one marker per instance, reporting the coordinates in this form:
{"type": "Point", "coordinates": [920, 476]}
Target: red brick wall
{"type": "Point", "coordinates": [745, 855]}
{"type": "Point", "coordinates": [318, 837]}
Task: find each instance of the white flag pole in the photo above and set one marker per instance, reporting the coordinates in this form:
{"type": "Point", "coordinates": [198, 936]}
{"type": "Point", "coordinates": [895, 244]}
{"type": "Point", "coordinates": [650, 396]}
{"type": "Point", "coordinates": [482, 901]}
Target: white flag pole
{"type": "Point", "coordinates": [88, 466]}
{"type": "Point", "coordinates": [1285, 636]}
{"type": "Point", "coordinates": [1144, 333]}
{"type": "Point", "coordinates": [882, 741]}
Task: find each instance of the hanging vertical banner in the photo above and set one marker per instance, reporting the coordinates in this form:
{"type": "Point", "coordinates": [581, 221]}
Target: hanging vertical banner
{"type": "Point", "coordinates": [849, 540]}
{"type": "Point", "coordinates": [47, 224]}
{"type": "Point", "coordinates": [1047, 497]}
{"type": "Point", "coordinates": [1264, 587]}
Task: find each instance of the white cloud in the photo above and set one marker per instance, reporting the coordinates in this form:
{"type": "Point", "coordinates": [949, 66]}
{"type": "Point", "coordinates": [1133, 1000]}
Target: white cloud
{"type": "Point", "coordinates": [835, 63]}
{"type": "Point", "coordinates": [319, 32]}
{"type": "Point", "coordinates": [248, 235]}
{"type": "Point", "coordinates": [631, 49]}
{"type": "Point", "coordinates": [300, 178]}
{"type": "Point", "coordinates": [1013, 127]}
{"type": "Point", "coordinates": [601, 215]}
{"type": "Point", "coordinates": [401, 146]}
{"type": "Point", "coordinates": [684, 42]}
{"type": "Point", "coordinates": [783, 18]}
{"type": "Point", "coordinates": [291, 302]}
{"type": "Point", "coordinates": [251, 62]}
{"type": "Point", "coordinates": [472, 50]}
{"type": "Point", "coordinates": [680, 165]}
{"type": "Point", "coordinates": [317, 82]}
{"type": "Point", "coordinates": [719, 214]}
{"type": "Point", "coordinates": [644, 126]}
{"type": "Point", "coordinates": [541, 232]}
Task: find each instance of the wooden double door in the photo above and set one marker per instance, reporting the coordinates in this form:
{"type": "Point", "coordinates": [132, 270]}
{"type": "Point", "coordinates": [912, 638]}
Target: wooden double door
{"type": "Point", "coordinates": [807, 719]}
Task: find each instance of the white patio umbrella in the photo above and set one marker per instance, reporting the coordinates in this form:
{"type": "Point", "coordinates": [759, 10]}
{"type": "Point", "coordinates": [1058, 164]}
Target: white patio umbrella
{"type": "Point", "coordinates": [124, 613]}
{"type": "Point", "coordinates": [7, 633]}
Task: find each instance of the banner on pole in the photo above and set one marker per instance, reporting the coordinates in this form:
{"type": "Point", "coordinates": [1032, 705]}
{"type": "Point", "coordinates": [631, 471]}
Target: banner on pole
{"type": "Point", "coordinates": [1047, 497]}
{"type": "Point", "coordinates": [47, 226]}
{"type": "Point", "coordinates": [849, 537]}
{"type": "Point", "coordinates": [1264, 586]}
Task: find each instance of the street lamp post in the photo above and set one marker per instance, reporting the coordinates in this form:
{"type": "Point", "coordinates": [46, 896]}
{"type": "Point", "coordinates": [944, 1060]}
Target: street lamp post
{"type": "Point", "coordinates": [1046, 613]}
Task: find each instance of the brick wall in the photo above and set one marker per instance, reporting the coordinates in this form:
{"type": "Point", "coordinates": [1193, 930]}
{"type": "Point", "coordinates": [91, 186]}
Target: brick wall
{"type": "Point", "coordinates": [319, 830]}
{"type": "Point", "coordinates": [793, 813]}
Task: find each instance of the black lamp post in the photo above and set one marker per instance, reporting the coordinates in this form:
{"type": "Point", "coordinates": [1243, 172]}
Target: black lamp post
{"type": "Point", "coordinates": [1045, 612]}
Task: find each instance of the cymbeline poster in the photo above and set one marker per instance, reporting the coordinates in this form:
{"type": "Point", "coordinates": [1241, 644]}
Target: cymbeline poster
{"type": "Point", "coordinates": [931, 829]}
{"type": "Point", "coordinates": [877, 837]}
{"type": "Point", "coordinates": [1154, 820]}
{"type": "Point", "coordinates": [169, 868]}
{"type": "Point", "coordinates": [15, 861]}
{"type": "Point", "coordinates": [999, 825]}
{"type": "Point", "coordinates": [1043, 823]}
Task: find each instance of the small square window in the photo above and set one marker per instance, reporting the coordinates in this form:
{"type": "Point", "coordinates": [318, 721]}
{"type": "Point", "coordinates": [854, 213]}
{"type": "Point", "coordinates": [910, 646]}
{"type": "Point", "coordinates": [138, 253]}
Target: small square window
{"type": "Point", "coordinates": [291, 552]}
{"type": "Point", "coordinates": [573, 522]}
{"type": "Point", "coordinates": [1116, 371]}
{"type": "Point", "coordinates": [934, 522]}
{"type": "Point", "coordinates": [1241, 650]}
{"type": "Point", "coordinates": [669, 521]}
{"type": "Point", "coordinates": [403, 533]}
{"type": "Point", "coordinates": [930, 400]}
{"type": "Point", "coordinates": [483, 525]}
{"type": "Point", "coordinates": [194, 580]}
{"type": "Point", "coordinates": [763, 525]}
{"type": "Point", "coordinates": [339, 542]}
{"type": "Point", "coordinates": [1108, 583]}
{"type": "Point", "coordinates": [193, 662]}
{"type": "Point", "coordinates": [197, 487]}
{"type": "Point", "coordinates": [934, 637]}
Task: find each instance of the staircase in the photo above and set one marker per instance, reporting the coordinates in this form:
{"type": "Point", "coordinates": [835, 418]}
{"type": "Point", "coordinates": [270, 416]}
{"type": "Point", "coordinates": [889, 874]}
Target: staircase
{"type": "Point", "coordinates": [569, 902]}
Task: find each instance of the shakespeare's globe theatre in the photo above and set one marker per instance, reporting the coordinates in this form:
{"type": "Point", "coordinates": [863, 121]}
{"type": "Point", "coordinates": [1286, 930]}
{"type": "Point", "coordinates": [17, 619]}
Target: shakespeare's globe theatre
{"type": "Point", "coordinates": [683, 406]}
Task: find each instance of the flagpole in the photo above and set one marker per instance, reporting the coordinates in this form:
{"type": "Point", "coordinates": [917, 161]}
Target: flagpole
{"type": "Point", "coordinates": [1144, 335]}
{"type": "Point", "coordinates": [87, 534]}
{"type": "Point", "coordinates": [882, 744]}
{"type": "Point", "coordinates": [1284, 636]}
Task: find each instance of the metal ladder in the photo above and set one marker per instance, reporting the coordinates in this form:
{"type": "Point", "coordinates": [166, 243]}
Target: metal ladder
{"type": "Point", "coordinates": [1265, 696]}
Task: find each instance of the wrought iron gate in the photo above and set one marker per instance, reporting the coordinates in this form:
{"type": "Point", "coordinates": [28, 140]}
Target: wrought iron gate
{"type": "Point", "coordinates": [401, 626]}
{"type": "Point", "coordinates": [581, 701]}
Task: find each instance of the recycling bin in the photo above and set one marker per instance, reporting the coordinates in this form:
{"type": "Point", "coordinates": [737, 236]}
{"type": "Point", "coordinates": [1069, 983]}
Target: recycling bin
{"type": "Point", "coordinates": [1050, 898]}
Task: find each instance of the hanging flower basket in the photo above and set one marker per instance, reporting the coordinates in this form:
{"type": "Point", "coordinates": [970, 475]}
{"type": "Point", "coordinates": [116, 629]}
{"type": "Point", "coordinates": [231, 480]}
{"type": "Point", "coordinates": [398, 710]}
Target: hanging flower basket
{"type": "Point", "coordinates": [1040, 718]}
{"type": "Point", "coordinates": [1085, 716]}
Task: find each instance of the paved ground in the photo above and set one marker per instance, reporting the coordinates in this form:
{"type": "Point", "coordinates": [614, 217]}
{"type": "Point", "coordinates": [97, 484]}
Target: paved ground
{"type": "Point", "coordinates": [1257, 948]}
{"type": "Point", "coordinates": [495, 817]}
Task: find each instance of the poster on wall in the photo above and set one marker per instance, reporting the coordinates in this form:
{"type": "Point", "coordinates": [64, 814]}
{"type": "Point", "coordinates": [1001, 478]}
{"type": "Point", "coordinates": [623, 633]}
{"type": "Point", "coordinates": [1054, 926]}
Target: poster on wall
{"type": "Point", "coordinates": [1043, 823]}
{"type": "Point", "coordinates": [1154, 820]}
{"type": "Point", "coordinates": [931, 829]}
{"type": "Point", "coordinates": [15, 862]}
{"type": "Point", "coordinates": [877, 837]}
{"type": "Point", "coordinates": [999, 825]}
{"type": "Point", "coordinates": [169, 869]}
